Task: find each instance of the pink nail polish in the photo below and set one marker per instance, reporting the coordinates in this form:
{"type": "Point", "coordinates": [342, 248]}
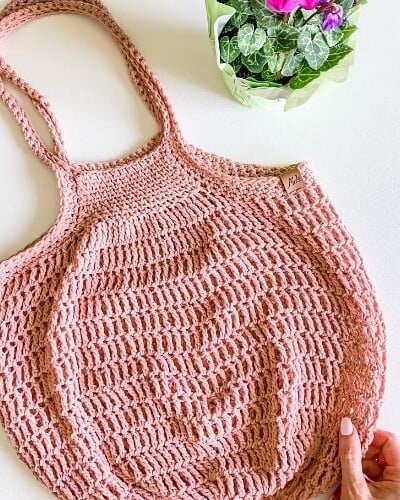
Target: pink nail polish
{"type": "Point", "coordinates": [346, 427]}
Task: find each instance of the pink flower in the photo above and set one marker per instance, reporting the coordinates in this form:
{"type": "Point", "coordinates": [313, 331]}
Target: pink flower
{"type": "Point", "coordinates": [309, 4]}
{"type": "Point", "coordinates": [282, 6]}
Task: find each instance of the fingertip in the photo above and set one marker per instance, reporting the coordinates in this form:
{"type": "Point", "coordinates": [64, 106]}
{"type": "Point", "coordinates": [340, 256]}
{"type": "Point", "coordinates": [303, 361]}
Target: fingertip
{"type": "Point", "coordinates": [349, 440]}
{"type": "Point", "coordinates": [346, 426]}
{"type": "Point", "coordinates": [350, 455]}
{"type": "Point", "coordinates": [388, 445]}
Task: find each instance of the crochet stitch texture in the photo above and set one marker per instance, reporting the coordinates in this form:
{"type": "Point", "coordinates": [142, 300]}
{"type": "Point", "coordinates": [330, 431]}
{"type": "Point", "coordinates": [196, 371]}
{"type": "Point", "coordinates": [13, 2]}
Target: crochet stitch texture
{"type": "Point", "coordinates": [186, 329]}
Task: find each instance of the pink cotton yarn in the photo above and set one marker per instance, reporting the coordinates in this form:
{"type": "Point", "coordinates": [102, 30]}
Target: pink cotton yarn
{"type": "Point", "coordinates": [186, 329]}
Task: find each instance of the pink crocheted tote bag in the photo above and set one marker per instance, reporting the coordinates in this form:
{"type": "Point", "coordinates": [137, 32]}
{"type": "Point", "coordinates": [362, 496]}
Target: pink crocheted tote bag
{"type": "Point", "coordinates": [190, 327]}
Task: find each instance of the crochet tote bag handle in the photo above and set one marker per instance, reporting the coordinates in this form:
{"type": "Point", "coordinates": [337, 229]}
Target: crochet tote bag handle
{"type": "Point", "coordinates": [17, 13]}
{"type": "Point", "coordinates": [41, 105]}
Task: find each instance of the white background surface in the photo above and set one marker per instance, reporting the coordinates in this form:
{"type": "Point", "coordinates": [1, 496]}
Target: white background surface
{"type": "Point", "coordinates": [350, 135]}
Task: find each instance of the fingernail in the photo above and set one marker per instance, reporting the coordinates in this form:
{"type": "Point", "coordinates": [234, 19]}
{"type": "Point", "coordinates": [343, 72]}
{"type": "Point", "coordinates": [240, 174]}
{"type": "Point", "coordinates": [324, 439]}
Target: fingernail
{"type": "Point", "coordinates": [346, 427]}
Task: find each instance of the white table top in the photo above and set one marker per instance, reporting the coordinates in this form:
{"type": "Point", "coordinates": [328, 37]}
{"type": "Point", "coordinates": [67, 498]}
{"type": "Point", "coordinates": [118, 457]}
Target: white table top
{"type": "Point", "coordinates": [350, 135]}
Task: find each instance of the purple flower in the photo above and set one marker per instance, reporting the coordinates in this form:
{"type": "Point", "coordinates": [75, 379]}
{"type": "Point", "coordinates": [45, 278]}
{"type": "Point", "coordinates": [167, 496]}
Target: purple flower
{"type": "Point", "coordinates": [333, 17]}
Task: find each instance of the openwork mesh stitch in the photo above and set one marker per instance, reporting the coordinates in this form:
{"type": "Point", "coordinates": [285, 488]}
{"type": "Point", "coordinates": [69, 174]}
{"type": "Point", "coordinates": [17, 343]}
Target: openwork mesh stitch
{"type": "Point", "coordinates": [186, 329]}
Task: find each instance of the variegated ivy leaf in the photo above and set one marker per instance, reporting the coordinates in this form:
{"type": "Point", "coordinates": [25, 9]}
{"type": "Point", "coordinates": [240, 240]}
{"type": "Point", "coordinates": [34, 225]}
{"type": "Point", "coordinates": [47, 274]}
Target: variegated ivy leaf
{"type": "Point", "coordinates": [236, 65]}
{"type": "Point", "coordinates": [306, 74]}
{"type": "Point", "coordinates": [291, 64]}
{"type": "Point", "coordinates": [238, 19]}
{"type": "Point", "coordinates": [229, 48]}
{"type": "Point", "coordinates": [337, 53]}
{"type": "Point", "coordinates": [333, 37]}
{"type": "Point", "coordinates": [272, 31]}
{"type": "Point", "coordinates": [346, 4]}
{"type": "Point", "coordinates": [286, 38]}
{"type": "Point", "coordinates": [309, 14]}
{"type": "Point", "coordinates": [268, 48]}
{"type": "Point", "coordinates": [255, 62]}
{"type": "Point", "coordinates": [249, 39]}
{"type": "Point", "coordinates": [242, 6]}
{"type": "Point", "coordinates": [315, 49]}
{"type": "Point", "coordinates": [265, 18]}
{"type": "Point", "coordinates": [313, 28]}
{"type": "Point", "coordinates": [296, 18]}
{"type": "Point", "coordinates": [276, 62]}
{"type": "Point", "coordinates": [268, 76]}
{"type": "Point", "coordinates": [304, 40]}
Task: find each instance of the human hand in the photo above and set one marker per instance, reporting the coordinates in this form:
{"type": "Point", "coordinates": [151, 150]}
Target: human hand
{"type": "Point", "coordinates": [375, 477]}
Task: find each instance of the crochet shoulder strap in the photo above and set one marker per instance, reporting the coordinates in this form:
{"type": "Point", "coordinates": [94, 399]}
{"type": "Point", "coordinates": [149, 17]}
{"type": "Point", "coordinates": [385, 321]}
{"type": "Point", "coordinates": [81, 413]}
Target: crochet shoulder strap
{"type": "Point", "coordinates": [17, 13]}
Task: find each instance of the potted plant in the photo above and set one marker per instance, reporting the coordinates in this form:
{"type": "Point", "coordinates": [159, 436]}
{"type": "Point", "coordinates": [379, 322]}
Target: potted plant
{"type": "Point", "coordinates": [282, 49]}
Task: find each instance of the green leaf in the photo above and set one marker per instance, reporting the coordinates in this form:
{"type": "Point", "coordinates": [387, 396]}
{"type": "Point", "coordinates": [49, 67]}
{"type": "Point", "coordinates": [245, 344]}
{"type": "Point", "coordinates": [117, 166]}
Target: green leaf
{"type": "Point", "coordinates": [307, 13]}
{"type": "Point", "coordinates": [249, 39]}
{"type": "Point", "coordinates": [265, 18]}
{"type": "Point", "coordinates": [315, 50]}
{"type": "Point", "coordinates": [236, 65]}
{"type": "Point", "coordinates": [242, 6]}
{"type": "Point", "coordinates": [333, 37]}
{"type": "Point", "coordinates": [268, 48]}
{"type": "Point", "coordinates": [272, 31]}
{"type": "Point", "coordinates": [296, 18]}
{"type": "Point", "coordinates": [307, 74]}
{"type": "Point", "coordinates": [229, 48]}
{"type": "Point", "coordinates": [255, 62]}
{"type": "Point", "coordinates": [304, 41]}
{"type": "Point", "coordinates": [313, 19]}
{"type": "Point", "coordinates": [346, 4]}
{"type": "Point", "coordinates": [291, 64]}
{"type": "Point", "coordinates": [303, 77]}
{"type": "Point", "coordinates": [228, 28]}
{"type": "Point", "coordinates": [262, 84]}
{"type": "Point", "coordinates": [238, 19]}
{"type": "Point", "coordinates": [276, 62]}
{"type": "Point", "coordinates": [347, 31]}
{"type": "Point", "coordinates": [337, 54]}
{"type": "Point", "coordinates": [269, 76]}
{"type": "Point", "coordinates": [313, 28]}
{"type": "Point", "coordinates": [286, 38]}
